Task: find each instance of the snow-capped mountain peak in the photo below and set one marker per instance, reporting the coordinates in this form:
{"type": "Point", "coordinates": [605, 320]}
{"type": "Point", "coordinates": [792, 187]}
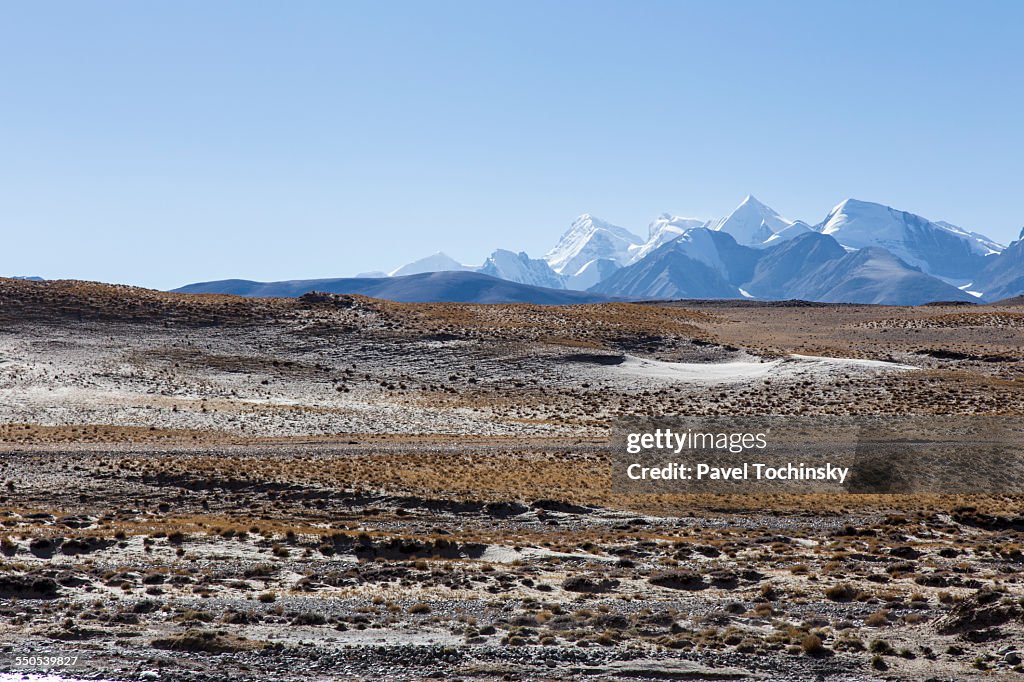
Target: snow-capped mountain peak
{"type": "Point", "coordinates": [663, 229]}
{"type": "Point", "coordinates": [751, 223]}
{"type": "Point", "coordinates": [519, 267]}
{"type": "Point", "coordinates": [668, 222]}
{"type": "Point", "coordinates": [437, 262]}
{"type": "Point", "coordinates": [590, 238]}
{"type": "Point", "coordinates": [940, 249]}
{"type": "Point", "coordinates": [798, 228]}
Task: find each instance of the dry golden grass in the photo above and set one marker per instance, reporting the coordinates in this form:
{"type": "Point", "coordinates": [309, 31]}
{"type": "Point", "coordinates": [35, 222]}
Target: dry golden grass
{"type": "Point", "coordinates": [55, 300]}
{"type": "Point", "coordinates": [35, 434]}
{"type": "Point", "coordinates": [511, 475]}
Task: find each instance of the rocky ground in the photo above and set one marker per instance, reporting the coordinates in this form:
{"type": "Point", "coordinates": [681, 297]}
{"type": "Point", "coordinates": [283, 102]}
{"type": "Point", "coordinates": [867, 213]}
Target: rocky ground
{"type": "Point", "coordinates": [206, 488]}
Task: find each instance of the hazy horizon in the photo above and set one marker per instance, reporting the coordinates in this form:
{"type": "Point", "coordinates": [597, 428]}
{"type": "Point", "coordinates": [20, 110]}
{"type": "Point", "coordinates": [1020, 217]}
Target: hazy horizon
{"type": "Point", "coordinates": [162, 145]}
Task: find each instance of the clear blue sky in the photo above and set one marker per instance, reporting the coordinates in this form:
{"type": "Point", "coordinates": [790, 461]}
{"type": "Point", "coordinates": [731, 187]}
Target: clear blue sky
{"type": "Point", "coordinates": [159, 143]}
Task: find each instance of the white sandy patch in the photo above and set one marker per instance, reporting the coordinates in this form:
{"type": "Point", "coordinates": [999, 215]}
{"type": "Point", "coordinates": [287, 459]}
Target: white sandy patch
{"type": "Point", "coordinates": [744, 370]}
{"type": "Point", "coordinates": [500, 554]}
{"type": "Point", "coordinates": [697, 372]}
{"type": "Point", "coordinates": [853, 362]}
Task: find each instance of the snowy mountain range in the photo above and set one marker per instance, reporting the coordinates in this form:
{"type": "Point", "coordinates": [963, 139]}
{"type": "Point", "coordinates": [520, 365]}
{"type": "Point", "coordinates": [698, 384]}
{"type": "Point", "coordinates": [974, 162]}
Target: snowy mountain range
{"type": "Point", "coordinates": [861, 252]}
